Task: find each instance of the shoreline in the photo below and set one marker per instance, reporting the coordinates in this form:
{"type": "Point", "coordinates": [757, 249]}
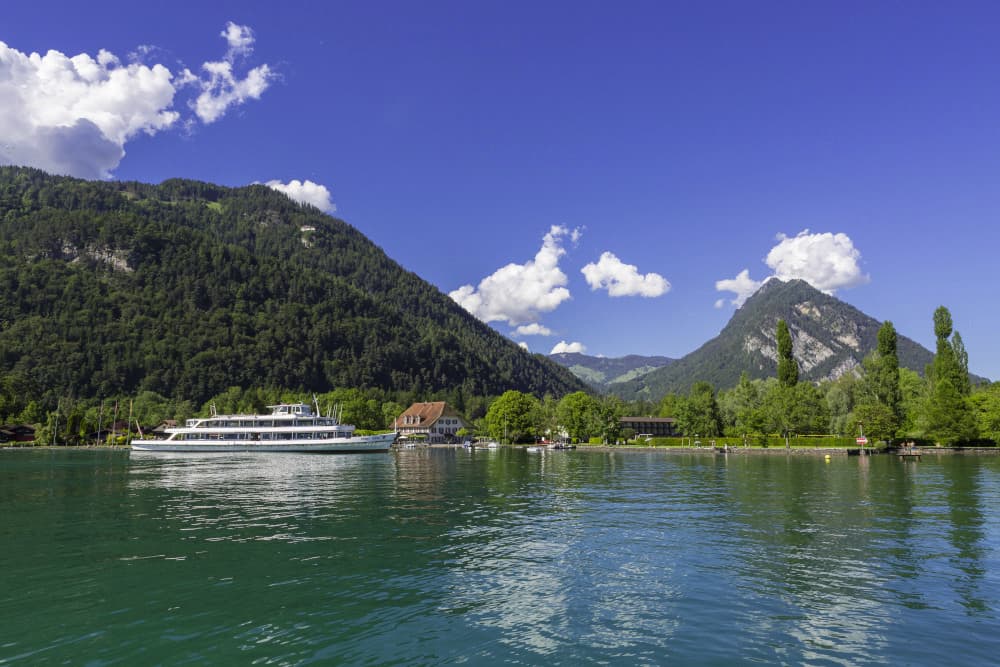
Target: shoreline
{"type": "Point", "coordinates": [838, 451]}
{"type": "Point", "coordinates": [771, 451]}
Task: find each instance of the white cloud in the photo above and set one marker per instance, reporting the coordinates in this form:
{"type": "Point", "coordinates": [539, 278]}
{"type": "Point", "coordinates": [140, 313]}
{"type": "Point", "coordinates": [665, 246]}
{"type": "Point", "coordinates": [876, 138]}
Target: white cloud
{"type": "Point", "coordinates": [742, 285]}
{"type": "Point", "coordinates": [519, 293]}
{"type": "Point", "coordinates": [74, 115]}
{"type": "Point", "coordinates": [240, 39]}
{"type": "Point", "coordinates": [306, 192]}
{"type": "Point", "coordinates": [222, 89]}
{"type": "Point", "coordinates": [562, 347]}
{"type": "Point", "coordinates": [524, 346]}
{"type": "Point", "coordinates": [826, 261]}
{"type": "Point", "coordinates": [622, 279]}
{"type": "Point", "coordinates": [533, 329]}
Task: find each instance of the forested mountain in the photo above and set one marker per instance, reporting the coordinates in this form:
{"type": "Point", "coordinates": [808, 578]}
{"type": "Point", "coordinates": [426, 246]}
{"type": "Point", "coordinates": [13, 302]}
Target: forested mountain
{"type": "Point", "coordinates": [830, 338]}
{"type": "Point", "coordinates": [605, 372]}
{"type": "Point", "coordinates": [187, 288]}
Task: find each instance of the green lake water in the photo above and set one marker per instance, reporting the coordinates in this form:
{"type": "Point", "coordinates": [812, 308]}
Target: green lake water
{"type": "Point", "coordinates": [434, 557]}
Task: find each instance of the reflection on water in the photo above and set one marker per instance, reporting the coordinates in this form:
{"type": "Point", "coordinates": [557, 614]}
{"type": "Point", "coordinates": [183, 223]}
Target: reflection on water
{"type": "Point", "coordinates": [260, 477]}
{"type": "Point", "coordinates": [429, 557]}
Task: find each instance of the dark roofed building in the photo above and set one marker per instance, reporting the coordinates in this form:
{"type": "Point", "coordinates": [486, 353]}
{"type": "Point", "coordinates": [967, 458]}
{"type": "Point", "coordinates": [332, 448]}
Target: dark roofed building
{"type": "Point", "coordinates": [17, 433]}
{"type": "Point", "coordinates": [654, 426]}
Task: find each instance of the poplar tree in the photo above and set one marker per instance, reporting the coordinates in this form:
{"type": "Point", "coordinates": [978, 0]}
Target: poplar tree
{"type": "Point", "coordinates": [883, 398]}
{"type": "Point", "coordinates": [788, 369]}
{"type": "Point", "coordinates": [949, 416]}
{"type": "Point", "coordinates": [951, 361]}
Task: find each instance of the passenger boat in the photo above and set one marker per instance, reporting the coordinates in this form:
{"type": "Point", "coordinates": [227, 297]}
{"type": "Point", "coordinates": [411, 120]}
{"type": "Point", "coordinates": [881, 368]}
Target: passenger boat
{"type": "Point", "coordinates": [291, 427]}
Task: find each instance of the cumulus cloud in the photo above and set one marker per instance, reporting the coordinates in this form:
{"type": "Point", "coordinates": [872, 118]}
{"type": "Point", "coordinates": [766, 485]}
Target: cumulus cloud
{"type": "Point", "coordinates": [306, 192]}
{"type": "Point", "coordinates": [519, 293]}
{"type": "Point", "coordinates": [533, 329]}
{"type": "Point", "coordinates": [826, 261]}
{"type": "Point", "coordinates": [742, 285]}
{"type": "Point", "coordinates": [74, 115]}
{"type": "Point", "coordinates": [524, 346]}
{"type": "Point", "coordinates": [221, 88]}
{"type": "Point", "coordinates": [562, 346]}
{"type": "Point", "coordinates": [622, 279]}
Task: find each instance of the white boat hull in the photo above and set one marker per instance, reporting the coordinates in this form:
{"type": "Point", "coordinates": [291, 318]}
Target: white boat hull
{"type": "Point", "coordinates": [366, 443]}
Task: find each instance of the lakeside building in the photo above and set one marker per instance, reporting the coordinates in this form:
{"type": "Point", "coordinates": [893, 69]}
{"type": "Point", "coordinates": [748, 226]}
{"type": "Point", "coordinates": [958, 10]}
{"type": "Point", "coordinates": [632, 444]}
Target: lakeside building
{"type": "Point", "coordinates": [435, 421]}
{"type": "Point", "coordinates": [17, 433]}
{"type": "Point", "coordinates": [657, 427]}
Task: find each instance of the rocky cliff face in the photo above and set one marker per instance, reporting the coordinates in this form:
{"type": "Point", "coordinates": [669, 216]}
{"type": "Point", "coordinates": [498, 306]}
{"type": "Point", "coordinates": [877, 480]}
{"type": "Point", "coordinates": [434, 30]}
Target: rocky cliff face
{"type": "Point", "coordinates": [826, 341]}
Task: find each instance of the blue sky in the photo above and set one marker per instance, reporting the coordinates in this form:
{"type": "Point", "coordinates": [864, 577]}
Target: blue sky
{"type": "Point", "coordinates": [499, 149]}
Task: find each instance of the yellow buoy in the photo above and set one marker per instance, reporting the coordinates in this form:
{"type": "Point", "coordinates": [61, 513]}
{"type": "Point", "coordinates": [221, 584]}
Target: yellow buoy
{"type": "Point", "coordinates": [827, 458]}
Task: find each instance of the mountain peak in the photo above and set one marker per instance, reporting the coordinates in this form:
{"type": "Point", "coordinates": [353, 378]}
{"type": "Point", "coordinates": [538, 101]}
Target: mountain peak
{"type": "Point", "coordinates": [829, 338]}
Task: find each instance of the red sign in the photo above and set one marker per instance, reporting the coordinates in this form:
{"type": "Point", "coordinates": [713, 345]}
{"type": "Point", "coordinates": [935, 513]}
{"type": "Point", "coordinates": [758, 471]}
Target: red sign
{"type": "Point", "coordinates": [862, 440]}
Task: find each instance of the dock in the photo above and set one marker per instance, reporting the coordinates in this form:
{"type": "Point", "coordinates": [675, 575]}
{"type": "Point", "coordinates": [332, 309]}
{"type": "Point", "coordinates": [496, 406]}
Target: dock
{"type": "Point", "coordinates": [908, 455]}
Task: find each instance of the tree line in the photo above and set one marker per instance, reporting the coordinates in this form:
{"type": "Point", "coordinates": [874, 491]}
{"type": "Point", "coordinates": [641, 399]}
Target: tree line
{"type": "Point", "coordinates": [883, 401]}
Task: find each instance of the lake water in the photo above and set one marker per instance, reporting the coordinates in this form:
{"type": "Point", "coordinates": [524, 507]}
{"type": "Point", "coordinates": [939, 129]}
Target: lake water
{"type": "Point", "coordinates": [433, 557]}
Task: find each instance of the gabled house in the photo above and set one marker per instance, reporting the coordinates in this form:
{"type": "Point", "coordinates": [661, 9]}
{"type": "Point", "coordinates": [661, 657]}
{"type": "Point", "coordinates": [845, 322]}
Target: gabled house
{"type": "Point", "coordinates": [436, 421]}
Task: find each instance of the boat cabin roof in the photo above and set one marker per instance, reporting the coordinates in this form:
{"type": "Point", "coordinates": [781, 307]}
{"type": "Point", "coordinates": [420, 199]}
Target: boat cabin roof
{"type": "Point", "coordinates": [291, 409]}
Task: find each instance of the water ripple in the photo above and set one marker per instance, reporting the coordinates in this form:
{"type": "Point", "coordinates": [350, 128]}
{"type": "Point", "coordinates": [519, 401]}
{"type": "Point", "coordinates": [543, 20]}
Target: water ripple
{"type": "Point", "coordinates": [433, 557]}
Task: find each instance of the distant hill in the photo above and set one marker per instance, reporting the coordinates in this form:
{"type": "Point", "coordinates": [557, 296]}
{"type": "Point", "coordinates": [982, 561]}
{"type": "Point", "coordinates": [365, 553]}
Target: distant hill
{"type": "Point", "coordinates": [830, 338]}
{"type": "Point", "coordinates": [187, 288]}
{"type": "Point", "coordinates": [604, 372]}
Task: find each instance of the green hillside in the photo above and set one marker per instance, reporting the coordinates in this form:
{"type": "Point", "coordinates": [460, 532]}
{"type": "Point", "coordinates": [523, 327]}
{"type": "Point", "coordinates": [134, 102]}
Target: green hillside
{"type": "Point", "coordinates": [604, 372]}
{"type": "Point", "coordinates": [188, 288]}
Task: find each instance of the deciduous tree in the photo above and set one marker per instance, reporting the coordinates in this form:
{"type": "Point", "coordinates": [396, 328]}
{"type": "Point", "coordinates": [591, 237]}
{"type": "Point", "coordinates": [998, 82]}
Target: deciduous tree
{"type": "Point", "coordinates": [577, 414]}
{"type": "Point", "coordinates": [948, 414]}
{"type": "Point", "coordinates": [700, 412]}
{"type": "Point", "coordinates": [513, 416]}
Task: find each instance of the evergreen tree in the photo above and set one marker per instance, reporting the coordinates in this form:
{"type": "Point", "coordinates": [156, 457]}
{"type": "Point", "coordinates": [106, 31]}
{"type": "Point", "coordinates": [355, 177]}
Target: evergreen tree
{"type": "Point", "coordinates": [788, 369]}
